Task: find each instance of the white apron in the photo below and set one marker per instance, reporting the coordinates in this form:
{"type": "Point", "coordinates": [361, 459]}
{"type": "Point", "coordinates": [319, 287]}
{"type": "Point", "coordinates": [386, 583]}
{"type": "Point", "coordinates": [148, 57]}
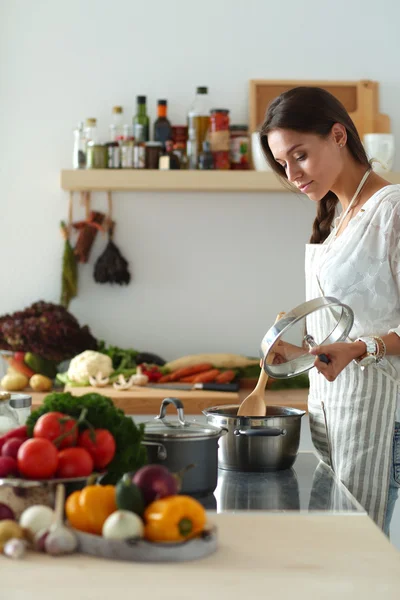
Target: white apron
{"type": "Point", "coordinates": [351, 419]}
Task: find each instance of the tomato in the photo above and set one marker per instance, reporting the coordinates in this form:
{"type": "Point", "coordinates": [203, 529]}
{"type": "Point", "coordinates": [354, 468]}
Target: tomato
{"type": "Point", "coordinates": [37, 459]}
{"type": "Point", "coordinates": [53, 424]}
{"type": "Point", "coordinates": [101, 447]}
{"type": "Point", "coordinates": [74, 462]}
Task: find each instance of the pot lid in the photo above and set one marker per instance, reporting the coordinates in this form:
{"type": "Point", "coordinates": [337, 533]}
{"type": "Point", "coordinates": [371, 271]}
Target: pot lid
{"type": "Point", "coordinates": [179, 429]}
{"type": "Point", "coordinates": [323, 320]}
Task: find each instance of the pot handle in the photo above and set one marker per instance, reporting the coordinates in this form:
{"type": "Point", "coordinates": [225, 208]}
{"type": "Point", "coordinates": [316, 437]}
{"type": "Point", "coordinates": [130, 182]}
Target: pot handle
{"type": "Point", "coordinates": [161, 449]}
{"type": "Point", "coordinates": [179, 407]}
{"type": "Point", "coordinates": [261, 432]}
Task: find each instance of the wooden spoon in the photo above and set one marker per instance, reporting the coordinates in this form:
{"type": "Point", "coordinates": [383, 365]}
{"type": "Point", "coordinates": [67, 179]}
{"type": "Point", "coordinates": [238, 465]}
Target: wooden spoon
{"type": "Point", "coordinates": [254, 404]}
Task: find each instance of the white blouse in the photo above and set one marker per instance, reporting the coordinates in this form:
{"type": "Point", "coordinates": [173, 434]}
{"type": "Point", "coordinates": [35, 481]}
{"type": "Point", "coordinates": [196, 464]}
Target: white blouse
{"type": "Point", "coordinates": [361, 267]}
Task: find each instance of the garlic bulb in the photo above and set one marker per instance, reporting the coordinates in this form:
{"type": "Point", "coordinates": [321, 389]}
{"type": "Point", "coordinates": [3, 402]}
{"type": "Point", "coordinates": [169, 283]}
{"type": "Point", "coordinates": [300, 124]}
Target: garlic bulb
{"type": "Point", "coordinates": [15, 548]}
{"type": "Point", "coordinates": [139, 378]}
{"type": "Point", "coordinates": [60, 541]}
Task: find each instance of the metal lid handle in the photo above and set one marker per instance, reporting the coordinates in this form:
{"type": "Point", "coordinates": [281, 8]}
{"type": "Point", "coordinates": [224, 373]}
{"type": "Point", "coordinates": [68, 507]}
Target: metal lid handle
{"type": "Point", "coordinates": [179, 407]}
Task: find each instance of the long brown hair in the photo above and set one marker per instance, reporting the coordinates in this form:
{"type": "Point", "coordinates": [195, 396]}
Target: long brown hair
{"type": "Point", "coordinates": [311, 110]}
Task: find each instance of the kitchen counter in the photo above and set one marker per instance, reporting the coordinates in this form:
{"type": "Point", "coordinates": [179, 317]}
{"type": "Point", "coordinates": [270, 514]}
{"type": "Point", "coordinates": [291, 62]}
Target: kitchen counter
{"type": "Point", "coordinates": [309, 486]}
{"type": "Point", "coordinates": [260, 554]}
{"type": "Point", "coordinates": [194, 404]}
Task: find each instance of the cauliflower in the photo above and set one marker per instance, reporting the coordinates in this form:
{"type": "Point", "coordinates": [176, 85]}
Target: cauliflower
{"type": "Point", "coordinates": [89, 364]}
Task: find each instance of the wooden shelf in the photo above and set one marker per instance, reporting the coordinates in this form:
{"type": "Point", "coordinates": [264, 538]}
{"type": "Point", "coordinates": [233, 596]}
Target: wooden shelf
{"type": "Point", "coordinates": [176, 181]}
{"type": "Point", "coordinates": [169, 181]}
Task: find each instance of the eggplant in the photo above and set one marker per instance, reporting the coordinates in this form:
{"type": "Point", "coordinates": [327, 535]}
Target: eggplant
{"type": "Point", "coordinates": [149, 358]}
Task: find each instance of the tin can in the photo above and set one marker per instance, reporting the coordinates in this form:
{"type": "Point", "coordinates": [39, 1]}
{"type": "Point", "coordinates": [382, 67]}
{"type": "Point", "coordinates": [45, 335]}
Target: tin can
{"type": "Point", "coordinates": [96, 156]}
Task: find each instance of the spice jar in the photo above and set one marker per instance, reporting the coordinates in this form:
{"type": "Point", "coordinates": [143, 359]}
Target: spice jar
{"type": "Point", "coordinates": [14, 410]}
{"type": "Point", "coordinates": [153, 153]}
{"type": "Point", "coordinates": [219, 137]}
{"type": "Point", "coordinates": [179, 138]}
{"type": "Point", "coordinates": [239, 147]}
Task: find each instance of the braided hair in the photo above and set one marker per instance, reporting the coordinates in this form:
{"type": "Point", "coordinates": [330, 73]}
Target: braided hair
{"type": "Point", "coordinates": [311, 110]}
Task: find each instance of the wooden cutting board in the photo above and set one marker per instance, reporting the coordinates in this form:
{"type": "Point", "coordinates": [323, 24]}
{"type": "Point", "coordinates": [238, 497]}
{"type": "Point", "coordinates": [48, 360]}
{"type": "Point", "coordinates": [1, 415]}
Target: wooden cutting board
{"type": "Point", "coordinates": [145, 400]}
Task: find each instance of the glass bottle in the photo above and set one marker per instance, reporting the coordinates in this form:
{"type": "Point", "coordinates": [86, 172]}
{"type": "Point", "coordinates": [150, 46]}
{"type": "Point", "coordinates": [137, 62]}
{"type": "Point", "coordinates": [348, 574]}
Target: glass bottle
{"type": "Point", "coordinates": [91, 130]}
{"type": "Point", "coordinates": [79, 152]}
{"type": "Point", "coordinates": [168, 159]}
{"type": "Point", "coordinates": [141, 118]}
{"type": "Point", "coordinates": [198, 123]}
{"type": "Point", "coordinates": [162, 126]}
{"type": "Point", "coordinates": [127, 146]}
{"type": "Point", "coordinates": [206, 158]}
{"type": "Point", "coordinates": [117, 124]}
{"type": "Point", "coordinates": [139, 149]}
{"type": "Point", "coordinates": [116, 137]}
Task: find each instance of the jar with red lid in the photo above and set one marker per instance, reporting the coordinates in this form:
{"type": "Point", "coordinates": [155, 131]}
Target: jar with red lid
{"type": "Point", "coordinates": [239, 147]}
{"type": "Point", "coordinates": [219, 137]}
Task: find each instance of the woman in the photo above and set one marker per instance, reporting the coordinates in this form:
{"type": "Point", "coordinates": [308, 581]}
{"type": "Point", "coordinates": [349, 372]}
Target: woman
{"type": "Point", "coordinates": [354, 401]}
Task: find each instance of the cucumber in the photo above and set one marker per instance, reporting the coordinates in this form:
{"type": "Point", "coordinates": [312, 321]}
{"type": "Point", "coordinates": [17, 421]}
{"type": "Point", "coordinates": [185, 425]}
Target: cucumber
{"type": "Point", "coordinates": [128, 496]}
{"type": "Point", "coordinates": [41, 365]}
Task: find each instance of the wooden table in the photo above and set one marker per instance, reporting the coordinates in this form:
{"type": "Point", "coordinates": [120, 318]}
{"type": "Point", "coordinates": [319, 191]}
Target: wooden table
{"type": "Point", "coordinates": [194, 402]}
{"type": "Point", "coordinates": [260, 555]}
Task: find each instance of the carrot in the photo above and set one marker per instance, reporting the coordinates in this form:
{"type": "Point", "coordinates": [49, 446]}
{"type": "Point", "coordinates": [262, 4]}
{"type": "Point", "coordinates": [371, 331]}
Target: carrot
{"type": "Point", "coordinates": [189, 379]}
{"type": "Point", "coordinates": [187, 371]}
{"type": "Point", "coordinates": [165, 379]}
{"type": "Point", "coordinates": [226, 376]}
{"type": "Point", "coordinates": [19, 366]}
{"type": "Point", "coordinates": [207, 376]}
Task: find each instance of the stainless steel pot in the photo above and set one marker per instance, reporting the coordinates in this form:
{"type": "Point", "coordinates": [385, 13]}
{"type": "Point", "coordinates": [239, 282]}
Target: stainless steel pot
{"type": "Point", "coordinates": [179, 444]}
{"type": "Point", "coordinates": [267, 443]}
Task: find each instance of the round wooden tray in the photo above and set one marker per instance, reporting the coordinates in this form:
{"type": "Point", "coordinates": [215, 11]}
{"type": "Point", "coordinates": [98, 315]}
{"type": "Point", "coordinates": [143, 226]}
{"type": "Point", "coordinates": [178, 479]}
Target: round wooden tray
{"type": "Point", "coordinates": [142, 551]}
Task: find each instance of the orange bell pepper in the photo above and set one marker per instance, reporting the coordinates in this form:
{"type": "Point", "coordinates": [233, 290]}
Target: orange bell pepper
{"type": "Point", "coordinates": [173, 519]}
{"type": "Point", "coordinates": [87, 509]}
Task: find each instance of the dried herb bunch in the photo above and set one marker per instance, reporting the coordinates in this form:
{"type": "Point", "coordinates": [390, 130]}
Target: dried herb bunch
{"type": "Point", "coordinates": [111, 266]}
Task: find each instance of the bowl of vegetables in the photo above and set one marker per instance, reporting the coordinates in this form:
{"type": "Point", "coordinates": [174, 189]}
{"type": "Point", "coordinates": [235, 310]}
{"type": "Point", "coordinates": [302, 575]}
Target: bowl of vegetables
{"type": "Point", "coordinates": [71, 440]}
{"type": "Point", "coordinates": [143, 518]}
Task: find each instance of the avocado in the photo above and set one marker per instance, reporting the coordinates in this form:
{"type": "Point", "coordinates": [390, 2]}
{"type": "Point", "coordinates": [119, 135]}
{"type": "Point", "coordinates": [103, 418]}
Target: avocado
{"type": "Point", "coordinates": [129, 496]}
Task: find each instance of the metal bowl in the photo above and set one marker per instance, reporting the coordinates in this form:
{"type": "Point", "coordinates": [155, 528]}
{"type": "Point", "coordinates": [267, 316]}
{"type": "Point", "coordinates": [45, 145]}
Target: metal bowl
{"type": "Point", "coordinates": [19, 494]}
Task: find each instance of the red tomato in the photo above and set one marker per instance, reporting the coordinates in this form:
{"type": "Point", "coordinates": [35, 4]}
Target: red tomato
{"type": "Point", "coordinates": [37, 459]}
{"type": "Point", "coordinates": [74, 462]}
{"type": "Point", "coordinates": [53, 424]}
{"type": "Point", "coordinates": [101, 447]}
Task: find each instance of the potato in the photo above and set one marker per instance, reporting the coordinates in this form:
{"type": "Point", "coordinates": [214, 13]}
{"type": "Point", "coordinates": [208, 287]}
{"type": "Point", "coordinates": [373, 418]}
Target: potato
{"type": "Point", "coordinates": [14, 382]}
{"type": "Point", "coordinates": [40, 383]}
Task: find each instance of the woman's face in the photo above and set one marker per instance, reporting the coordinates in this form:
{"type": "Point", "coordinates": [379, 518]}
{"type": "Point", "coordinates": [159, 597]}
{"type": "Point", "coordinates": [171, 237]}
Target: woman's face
{"type": "Point", "coordinates": [311, 163]}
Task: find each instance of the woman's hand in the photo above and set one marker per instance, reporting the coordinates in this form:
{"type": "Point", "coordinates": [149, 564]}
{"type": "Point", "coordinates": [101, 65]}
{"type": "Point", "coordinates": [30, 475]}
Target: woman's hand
{"type": "Point", "coordinates": [340, 355]}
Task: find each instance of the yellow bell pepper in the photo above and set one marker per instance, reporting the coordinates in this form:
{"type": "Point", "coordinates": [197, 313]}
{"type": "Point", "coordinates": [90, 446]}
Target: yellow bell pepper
{"type": "Point", "coordinates": [87, 509]}
{"type": "Point", "coordinates": [173, 519]}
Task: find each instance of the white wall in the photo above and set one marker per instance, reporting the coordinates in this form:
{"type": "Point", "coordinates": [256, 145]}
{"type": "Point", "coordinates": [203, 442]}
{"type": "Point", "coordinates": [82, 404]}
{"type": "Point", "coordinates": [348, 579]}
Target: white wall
{"type": "Point", "coordinates": [210, 271]}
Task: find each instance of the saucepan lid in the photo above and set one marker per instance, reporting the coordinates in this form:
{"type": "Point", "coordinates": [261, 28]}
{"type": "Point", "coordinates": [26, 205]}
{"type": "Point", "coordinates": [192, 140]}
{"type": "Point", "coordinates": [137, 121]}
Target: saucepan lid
{"type": "Point", "coordinates": [323, 320]}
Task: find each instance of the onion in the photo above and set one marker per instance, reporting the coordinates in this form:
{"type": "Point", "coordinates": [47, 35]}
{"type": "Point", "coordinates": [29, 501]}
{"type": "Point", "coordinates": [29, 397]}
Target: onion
{"type": "Point", "coordinates": [155, 481]}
